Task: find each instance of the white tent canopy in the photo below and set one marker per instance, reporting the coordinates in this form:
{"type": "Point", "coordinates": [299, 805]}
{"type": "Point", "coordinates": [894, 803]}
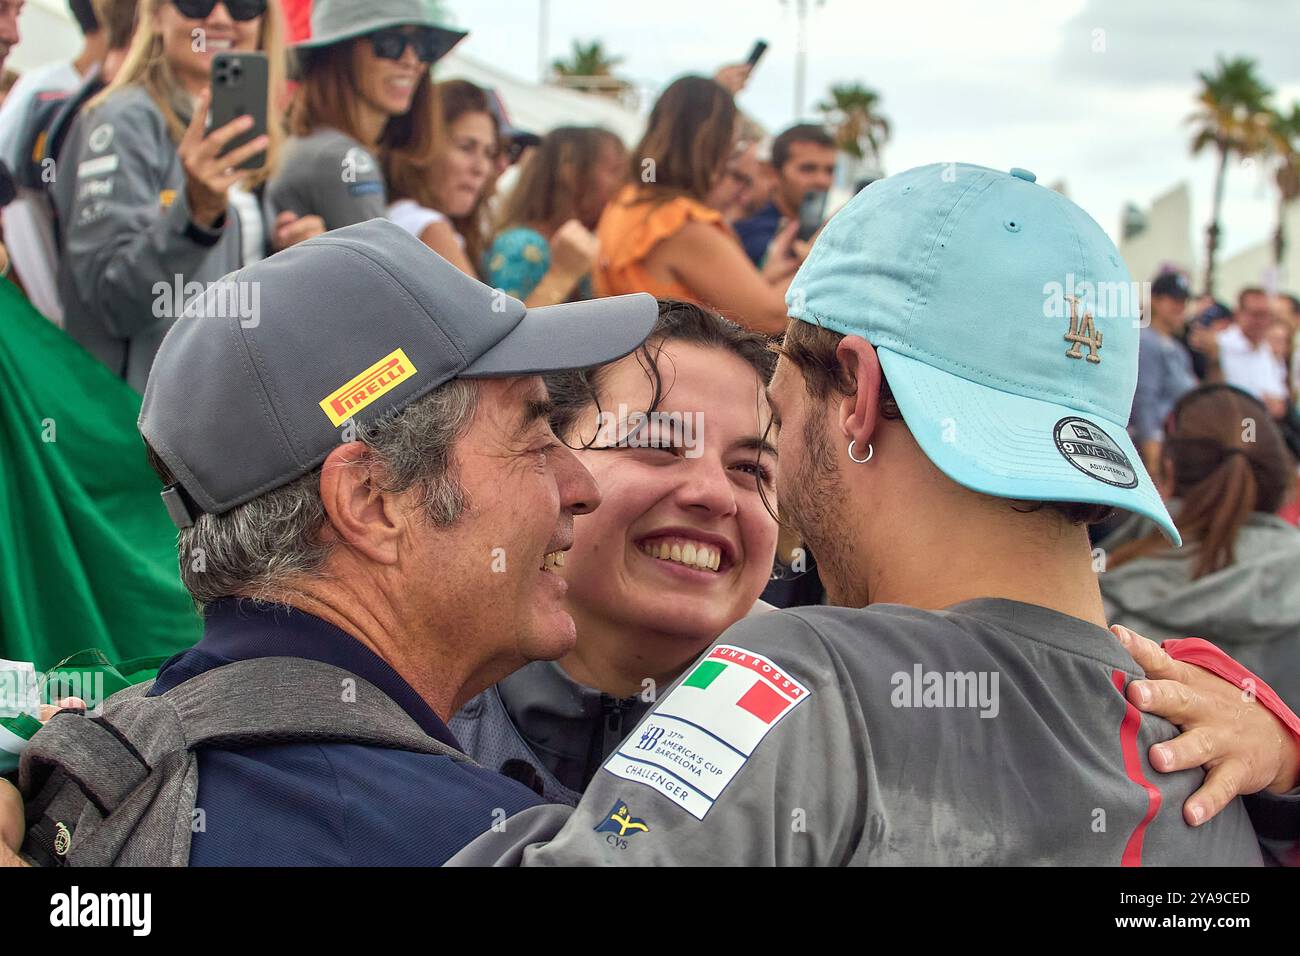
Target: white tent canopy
{"type": "Point", "coordinates": [48, 34]}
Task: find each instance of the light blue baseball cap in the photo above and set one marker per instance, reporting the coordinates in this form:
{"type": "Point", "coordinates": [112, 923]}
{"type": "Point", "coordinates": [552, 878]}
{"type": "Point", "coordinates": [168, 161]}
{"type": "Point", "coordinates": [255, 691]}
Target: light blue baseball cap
{"type": "Point", "coordinates": [1006, 324]}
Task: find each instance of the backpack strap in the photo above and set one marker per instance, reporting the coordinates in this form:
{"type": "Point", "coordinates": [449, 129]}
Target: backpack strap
{"type": "Point", "coordinates": [78, 746]}
{"type": "Point", "coordinates": [269, 700]}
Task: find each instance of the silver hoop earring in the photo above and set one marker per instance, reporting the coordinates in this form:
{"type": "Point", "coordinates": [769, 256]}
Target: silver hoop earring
{"type": "Point", "coordinates": [861, 461]}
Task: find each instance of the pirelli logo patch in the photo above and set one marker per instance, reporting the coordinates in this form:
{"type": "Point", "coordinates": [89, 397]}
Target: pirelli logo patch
{"type": "Point", "coordinates": [381, 377]}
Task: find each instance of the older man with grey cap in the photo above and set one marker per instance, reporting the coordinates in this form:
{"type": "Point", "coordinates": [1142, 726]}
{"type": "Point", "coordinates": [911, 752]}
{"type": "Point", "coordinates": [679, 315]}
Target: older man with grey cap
{"type": "Point", "coordinates": [364, 476]}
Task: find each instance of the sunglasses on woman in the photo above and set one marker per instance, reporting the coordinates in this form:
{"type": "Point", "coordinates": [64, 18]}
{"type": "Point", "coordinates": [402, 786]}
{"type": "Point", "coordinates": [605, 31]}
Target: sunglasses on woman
{"type": "Point", "coordinates": [238, 9]}
{"type": "Point", "coordinates": [391, 43]}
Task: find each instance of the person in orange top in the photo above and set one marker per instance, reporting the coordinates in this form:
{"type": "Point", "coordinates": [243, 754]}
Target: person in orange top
{"type": "Point", "coordinates": [658, 234]}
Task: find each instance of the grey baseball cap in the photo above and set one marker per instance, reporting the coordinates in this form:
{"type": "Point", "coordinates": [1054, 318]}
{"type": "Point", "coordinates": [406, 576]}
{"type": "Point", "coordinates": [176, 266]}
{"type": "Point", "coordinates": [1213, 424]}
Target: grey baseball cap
{"type": "Point", "coordinates": [254, 383]}
{"type": "Point", "coordinates": [333, 21]}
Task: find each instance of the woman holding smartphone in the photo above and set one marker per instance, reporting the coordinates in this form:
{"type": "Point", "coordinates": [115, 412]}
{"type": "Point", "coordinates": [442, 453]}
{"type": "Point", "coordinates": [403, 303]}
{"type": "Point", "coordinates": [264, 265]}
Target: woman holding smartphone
{"type": "Point", "coordinates": [365, 108]}
{"type": "Point", "coordinates": [150, 202]}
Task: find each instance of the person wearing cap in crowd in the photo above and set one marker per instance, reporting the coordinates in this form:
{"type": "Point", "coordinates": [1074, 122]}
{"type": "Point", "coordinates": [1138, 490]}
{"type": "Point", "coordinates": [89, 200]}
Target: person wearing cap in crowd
{"type": "Point", "coordinates": [515, 141]}
{"type": "Point", "coordinates": [1164, 366]}
{"type": "Point", "coordinates": [364, 107]}
{"type": "Point", "coordinates": [942, 444]}
{"type": "Point", "coordinates": [384, 496]}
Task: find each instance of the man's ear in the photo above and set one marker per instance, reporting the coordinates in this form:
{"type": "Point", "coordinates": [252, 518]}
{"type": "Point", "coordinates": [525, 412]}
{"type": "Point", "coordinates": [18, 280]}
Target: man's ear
{"type": "Point", "coordinates": [859, 410]}
{"type": "Point", "coordinates": [360, 515]}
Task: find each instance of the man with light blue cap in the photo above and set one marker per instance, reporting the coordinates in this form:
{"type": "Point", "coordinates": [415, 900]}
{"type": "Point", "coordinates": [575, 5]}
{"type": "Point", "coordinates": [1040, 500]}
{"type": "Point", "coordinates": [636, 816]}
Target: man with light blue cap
{"type": "Point", "coordinates": [952, 397]}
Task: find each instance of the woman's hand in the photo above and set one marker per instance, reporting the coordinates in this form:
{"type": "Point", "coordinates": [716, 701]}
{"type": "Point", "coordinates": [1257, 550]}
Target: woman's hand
{"type": "Point", "coordinates": [574, 250]}
{"type": "Point", "coordinates": [207, 175]}
{"type": "Point", "coordinates": [783, 254]}
{"type": "Point", "coordinates": [733, 77]}
{"type": "Point", "coordinates": [1238, 740]}
{"type": "Point", "coordinates": [291, 228]}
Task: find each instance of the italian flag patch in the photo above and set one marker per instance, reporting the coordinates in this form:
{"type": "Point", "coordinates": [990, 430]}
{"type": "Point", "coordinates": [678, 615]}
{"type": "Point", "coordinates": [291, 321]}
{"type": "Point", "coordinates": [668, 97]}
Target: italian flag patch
{"type": "Point", "coordinates": [699, 737]}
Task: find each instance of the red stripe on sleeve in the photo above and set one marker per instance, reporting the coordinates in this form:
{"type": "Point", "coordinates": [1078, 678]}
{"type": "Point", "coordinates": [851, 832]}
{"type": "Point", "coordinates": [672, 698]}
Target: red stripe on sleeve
{"type": "Point", "coordinates": [1128, 741]}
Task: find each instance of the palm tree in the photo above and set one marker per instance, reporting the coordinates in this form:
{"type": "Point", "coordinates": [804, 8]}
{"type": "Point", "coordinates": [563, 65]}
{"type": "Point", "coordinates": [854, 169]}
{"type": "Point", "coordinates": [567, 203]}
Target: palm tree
{"type": "Point", "coordinates": [1284, 144]}
{"type": "Point", "coordinates": [590, 67]}
{"type": "Point", "coordinates": [860, 129]}
{"type": "Point", "coordinates": [1233, 118]}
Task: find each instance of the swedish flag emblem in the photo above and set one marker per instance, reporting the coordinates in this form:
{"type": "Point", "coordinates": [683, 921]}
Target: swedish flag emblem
{"type": "Point", "coordinates": [620, 820]}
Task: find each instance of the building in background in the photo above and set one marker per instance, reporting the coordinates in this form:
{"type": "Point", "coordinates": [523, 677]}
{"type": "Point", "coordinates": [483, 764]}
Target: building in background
{"type": "Point", "coordinates": [1162, 235]}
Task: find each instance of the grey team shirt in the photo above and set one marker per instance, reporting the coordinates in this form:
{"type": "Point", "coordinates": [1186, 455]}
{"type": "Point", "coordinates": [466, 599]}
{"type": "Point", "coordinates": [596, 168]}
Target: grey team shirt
{"type": "Point", "coordinates": [328, 174]}
{"type": "Point", "coordinates": [130, 254]}
{"type": "Point", "coordinates": [994, 732]}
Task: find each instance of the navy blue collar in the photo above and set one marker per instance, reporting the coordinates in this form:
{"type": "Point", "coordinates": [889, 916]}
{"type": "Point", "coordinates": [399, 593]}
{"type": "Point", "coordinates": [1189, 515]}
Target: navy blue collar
{"type": "Point", "coordinates": [238, 629]}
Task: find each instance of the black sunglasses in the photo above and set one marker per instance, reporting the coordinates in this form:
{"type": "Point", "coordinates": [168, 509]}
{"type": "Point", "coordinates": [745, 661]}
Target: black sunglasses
{"type": "Point", "coordinates": [239, 9]}
{"type": "Point", "coordinates": [391, 43]}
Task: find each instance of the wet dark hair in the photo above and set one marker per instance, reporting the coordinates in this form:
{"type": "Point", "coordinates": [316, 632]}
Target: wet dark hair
{"type": "Point", "coordinates": [811, 349]}
{"type": "Point", "coordinates": [574, 392]}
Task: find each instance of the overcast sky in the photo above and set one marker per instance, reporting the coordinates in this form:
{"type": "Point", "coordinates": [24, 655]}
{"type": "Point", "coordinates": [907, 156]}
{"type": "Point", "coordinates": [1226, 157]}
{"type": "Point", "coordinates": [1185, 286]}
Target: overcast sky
{"type": "Point", "coordinates": [1001, 83]}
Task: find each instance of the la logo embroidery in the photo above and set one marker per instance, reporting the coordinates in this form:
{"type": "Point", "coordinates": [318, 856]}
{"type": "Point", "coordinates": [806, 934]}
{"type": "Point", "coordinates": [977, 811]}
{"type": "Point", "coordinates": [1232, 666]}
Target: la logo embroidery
{"type": "Point", "coordinates": [1082, 333]}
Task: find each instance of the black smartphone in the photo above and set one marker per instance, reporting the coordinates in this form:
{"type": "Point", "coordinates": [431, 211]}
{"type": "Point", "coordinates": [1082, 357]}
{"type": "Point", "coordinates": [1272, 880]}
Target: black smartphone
{"type": "Point", "coordinates": [811, 211]}
{"type": "Point", "coordinates": [756, 54]}
{"type": "Point", "coordinates": [239, 84]}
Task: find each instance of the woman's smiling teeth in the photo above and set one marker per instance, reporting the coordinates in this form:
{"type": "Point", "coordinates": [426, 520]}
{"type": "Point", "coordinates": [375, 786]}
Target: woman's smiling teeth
{"type": "Point", "coordinates": [693, 554]}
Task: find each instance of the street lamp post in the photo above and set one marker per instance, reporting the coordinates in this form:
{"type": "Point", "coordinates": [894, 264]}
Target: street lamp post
{"type": "Point", "coordinates": [801, 53]}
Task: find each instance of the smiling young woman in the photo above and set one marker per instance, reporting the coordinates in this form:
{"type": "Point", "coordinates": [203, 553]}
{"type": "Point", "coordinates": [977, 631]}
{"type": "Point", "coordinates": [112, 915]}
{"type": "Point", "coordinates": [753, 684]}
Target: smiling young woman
{"type": "Point", "coordinates": [680, 548]}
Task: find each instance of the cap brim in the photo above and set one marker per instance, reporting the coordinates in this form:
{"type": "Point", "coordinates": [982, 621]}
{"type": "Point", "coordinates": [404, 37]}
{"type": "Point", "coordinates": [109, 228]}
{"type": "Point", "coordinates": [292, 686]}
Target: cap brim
{"type": "Point", "coordinates": [574, 335]}
{"type": "Point", "coordinates": [1006, 445]}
